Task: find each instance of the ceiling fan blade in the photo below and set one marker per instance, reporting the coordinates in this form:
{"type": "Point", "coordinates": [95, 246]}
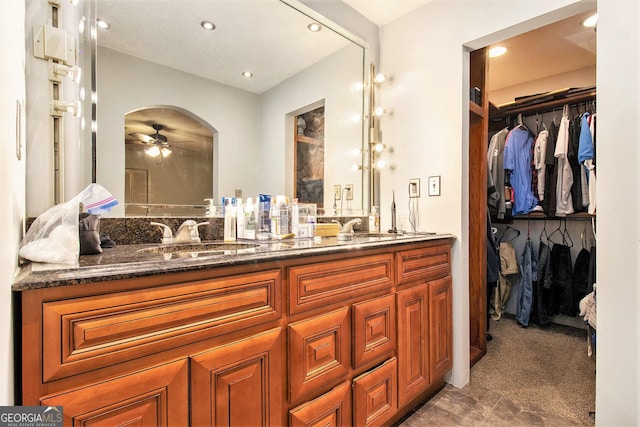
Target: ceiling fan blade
{"type": "Point", "coordinates": [143, 137]}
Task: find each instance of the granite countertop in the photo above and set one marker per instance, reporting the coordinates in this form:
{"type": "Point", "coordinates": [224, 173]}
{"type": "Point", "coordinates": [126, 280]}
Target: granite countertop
{"type": "Point", "coordinates": [130, 261]}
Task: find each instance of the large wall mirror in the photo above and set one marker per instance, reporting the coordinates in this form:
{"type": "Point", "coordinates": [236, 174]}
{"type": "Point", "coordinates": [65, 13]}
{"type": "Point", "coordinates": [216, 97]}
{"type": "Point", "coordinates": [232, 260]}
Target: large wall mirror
{"type": "Point", "coordinates": [157, 54]}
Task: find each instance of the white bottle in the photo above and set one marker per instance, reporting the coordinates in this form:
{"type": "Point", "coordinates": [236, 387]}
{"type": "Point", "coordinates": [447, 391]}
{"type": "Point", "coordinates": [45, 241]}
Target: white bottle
{"type": "Point", "coordinates": [229, 222]}
{"type": "Point", "coordinates": [251, 224]}
{"type": "Point", "coordinates": [374, 220]}
{"type": "Point", "coordinates": [240, 221]}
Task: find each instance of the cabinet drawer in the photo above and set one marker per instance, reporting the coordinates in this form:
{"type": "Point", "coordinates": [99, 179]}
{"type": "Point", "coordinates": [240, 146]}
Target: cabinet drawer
{"type": "Point", "coordinates": [374, 330]}
{"type": "Point", "coordinates": [319, 353]}
{"type": "Point", "coordinates": [322, 284]}
{"type": "Point", "coordinates": [332, 409]}
{"type": "Point", "coordinates": [423, 264]}
{"type": "Point", "coordinates": [88, 333]}
{"type": "Point", "coordinates": [375, 395]}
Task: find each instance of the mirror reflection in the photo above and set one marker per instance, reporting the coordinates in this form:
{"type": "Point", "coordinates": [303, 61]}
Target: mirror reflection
{"type": "Point", "coordinates": [168, 161]}
{"type": "Point", "coordinates": [246, 82]}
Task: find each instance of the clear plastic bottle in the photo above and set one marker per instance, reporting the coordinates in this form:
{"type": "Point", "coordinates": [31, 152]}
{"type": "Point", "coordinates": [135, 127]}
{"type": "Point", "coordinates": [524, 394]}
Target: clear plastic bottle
{"type": "Point", "coordinates": [283, 211]}
{"type": "Point", "coordinates": [240, 221]}
{"type": "Point", "coordinates": [374, 220]}
{"type": "Point", "coordinates": [229, 222]}
{"type": "Point", "coordinates": [274, 215]}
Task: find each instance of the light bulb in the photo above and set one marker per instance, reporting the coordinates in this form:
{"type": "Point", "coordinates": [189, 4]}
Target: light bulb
{"type": "Point", "coordinates": [380, 164]}
{"type": "Point", "coordinates": [359, 86]}
{"type": "Point", "coordinates": [166, 152]}
{"type": "Point", "coordinates": [379, 111]}
{"type": "Point", "coordinates": [379, 147]}
{"type": "Point", "coordinates": [590, 21]}
{"type": "Point", "coordinates": [153, 151]}
{"type": "Point", "coordinates": [379, 78]}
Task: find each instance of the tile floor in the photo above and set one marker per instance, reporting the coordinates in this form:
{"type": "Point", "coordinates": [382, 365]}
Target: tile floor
{"type": "Point", "coordinates": [475, 405]}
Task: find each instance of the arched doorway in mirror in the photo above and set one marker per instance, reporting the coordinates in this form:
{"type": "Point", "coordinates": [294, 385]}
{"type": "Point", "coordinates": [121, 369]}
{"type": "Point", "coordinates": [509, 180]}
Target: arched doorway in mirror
{"type": "Point", "coordinates": [169, 162]}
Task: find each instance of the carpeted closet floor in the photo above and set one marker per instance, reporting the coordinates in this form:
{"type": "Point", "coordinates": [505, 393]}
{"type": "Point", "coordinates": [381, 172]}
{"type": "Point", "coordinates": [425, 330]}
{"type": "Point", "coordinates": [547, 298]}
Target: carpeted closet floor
{"type": "Point", "coordinates": [529, 376]}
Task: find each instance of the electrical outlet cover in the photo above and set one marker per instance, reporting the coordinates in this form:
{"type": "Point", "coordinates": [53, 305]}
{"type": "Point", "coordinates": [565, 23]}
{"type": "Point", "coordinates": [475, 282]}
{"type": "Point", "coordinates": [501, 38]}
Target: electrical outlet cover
{"type": "Point", "coordinates": [414, 187]}
{"type": "Point", "coordinates": [348, 193]}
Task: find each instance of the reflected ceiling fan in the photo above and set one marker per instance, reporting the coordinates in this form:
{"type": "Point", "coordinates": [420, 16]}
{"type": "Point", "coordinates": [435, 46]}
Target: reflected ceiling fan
{"type": "Point", "coordinates": [157, 143]}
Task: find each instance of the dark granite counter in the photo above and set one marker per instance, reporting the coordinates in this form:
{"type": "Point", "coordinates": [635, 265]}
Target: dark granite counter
{"type": "Point", "coordinates": [131, 261]}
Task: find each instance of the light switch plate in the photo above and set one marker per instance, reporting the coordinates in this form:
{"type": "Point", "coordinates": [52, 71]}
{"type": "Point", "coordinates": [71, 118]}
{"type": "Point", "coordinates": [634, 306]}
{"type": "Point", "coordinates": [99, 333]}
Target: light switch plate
{"type": "Point", "coordinates": [434, 185]}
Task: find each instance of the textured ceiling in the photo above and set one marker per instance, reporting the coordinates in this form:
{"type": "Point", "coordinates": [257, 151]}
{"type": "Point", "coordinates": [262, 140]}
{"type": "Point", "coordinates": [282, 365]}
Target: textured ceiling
{"type": "Point", "coordinates": [266, 37]}
{"type": "Point", "coordinates": [382, 12]}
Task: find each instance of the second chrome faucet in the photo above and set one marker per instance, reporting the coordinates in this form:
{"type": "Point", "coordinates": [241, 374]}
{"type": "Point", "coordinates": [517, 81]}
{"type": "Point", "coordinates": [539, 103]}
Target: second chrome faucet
{"type": "Point", "coordinates": [187, 232]}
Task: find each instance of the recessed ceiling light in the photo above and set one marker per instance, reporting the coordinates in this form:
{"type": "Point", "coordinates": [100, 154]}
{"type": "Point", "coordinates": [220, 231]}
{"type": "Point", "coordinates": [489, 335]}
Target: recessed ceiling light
{"type": "Point", "coordinates": [314, 27]}
{"type": "Point", "coordinates": [247, 74]}
{"type": "Point", "coordinates": [497, 51]}
{"type": "Point", "coordinates": [591, 21]}
{"type": "Point", "coordinates": [208, 25]}
{"type": "Point", "coordinates": [102, 24]}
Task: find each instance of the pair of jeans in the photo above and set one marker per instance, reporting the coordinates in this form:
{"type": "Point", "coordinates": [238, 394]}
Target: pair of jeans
{"type": "Point", "coordinates": [528, 274]}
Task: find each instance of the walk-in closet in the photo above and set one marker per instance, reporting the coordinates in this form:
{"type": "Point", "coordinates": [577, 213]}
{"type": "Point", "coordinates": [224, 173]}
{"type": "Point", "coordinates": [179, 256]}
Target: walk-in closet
{"type": "Point", "coordinates": [533, 224]}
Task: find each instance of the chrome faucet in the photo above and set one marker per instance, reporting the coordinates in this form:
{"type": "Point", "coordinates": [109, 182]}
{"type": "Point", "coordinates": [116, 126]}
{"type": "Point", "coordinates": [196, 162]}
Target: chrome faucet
{"type": "Point", "coordinates": [346, 230]}
{"type": "Point", "coordinates": [187, 233]}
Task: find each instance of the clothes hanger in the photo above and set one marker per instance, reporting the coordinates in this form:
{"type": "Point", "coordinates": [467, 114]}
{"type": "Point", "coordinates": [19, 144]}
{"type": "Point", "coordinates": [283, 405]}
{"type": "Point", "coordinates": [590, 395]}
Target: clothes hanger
{"type": "Point", "coordinates": [554, 232]}
{"type": "Point", "coordinates": [566, 237]}
{"type": "Point", "coordinates": [504, 233]}
{"type": "Point", "coordinates": [544, 232]}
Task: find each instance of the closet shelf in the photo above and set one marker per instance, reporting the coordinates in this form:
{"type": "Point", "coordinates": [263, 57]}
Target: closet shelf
{"type": "Point", "coordinates": [539, 216]}
{"type": "Point", "coordinates": [545, 102]}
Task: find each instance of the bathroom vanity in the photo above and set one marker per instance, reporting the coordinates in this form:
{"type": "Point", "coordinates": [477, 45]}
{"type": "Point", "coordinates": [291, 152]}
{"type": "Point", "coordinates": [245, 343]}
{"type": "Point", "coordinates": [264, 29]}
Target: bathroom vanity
{"type": "Point", "coordinates": [298, 332]}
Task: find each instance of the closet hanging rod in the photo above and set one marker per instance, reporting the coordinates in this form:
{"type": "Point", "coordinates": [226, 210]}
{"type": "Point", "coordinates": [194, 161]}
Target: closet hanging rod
{"type": "Point", "coordinates": [544, 106]}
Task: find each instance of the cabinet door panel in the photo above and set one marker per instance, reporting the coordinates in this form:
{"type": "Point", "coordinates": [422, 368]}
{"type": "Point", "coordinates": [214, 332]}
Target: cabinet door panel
{"type": "Point", "coordinates": [440, 328]}
{"type": "Point", "coordinates": [239, 383]}
{"type": "Point", "coordinates": [319, 353]}
{"type": "Point", "coordinates": [332, 409]}
{"type": "Point", "coordinates": [154, 397]}
{"type": "Point", "coordinates": [374, 330]}
{"type": "Point", "coordinates": [413, 357]}
{"type": "Point", "coordinates": [375, 395]}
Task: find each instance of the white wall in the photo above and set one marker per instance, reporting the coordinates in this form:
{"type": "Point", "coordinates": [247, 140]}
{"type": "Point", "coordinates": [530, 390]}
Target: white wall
{"type": "Point", "coordinates": [12, 177]}
{"type": "Point", "coordinates": [618, 274]}
{"type": "Point", "coordinates": [424, 52]}
{"type": "Point", "coordinates": [332, 82]}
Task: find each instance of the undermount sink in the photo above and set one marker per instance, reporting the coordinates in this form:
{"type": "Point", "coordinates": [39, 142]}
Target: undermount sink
{"type": "Point", "coordinates": [202, 247]}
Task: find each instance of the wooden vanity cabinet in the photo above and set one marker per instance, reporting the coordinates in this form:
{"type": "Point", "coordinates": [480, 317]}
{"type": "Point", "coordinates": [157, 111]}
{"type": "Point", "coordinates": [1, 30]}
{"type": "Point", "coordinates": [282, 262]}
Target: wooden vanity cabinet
{"type": "Point", "coordinates": [319, 340]}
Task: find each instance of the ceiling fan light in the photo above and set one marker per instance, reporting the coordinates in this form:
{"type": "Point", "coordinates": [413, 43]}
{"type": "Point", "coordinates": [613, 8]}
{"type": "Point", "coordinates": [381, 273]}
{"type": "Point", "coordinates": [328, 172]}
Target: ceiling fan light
{"type": "Point", "coordinates": [153, 151]}
{"type": "Point", "coordinates": [166, 152]}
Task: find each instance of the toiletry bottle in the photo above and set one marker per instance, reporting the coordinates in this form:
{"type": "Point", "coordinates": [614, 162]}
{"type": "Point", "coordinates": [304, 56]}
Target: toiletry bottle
{"type": "Point", "coordinates": [229, 222]}
{"type": "Point", "coordinates": [295, 218]}
{"type": "Point", "coordinates": [252, 225]}
{"type": "Point", "coordinates": [274, 215]}
{"type": "Point", "coordinates": [374, 220]}
{"type": "Point", "coordinates": [283, 211]}
{"type": "Point", "coordinates": [211, 208]}
{"type": "Point", "coordinates": [240, 222]}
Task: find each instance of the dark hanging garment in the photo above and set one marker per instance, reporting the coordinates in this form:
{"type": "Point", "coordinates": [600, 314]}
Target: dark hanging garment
{"type": "Point", "coordinates": [562, 287]}
{"type": "Point", "coordinates": [581, 286]}
{"type": "Point", "coordinates": [493, 258]}
{"type": "Point", "coordinates": [576, 167]}
{"type": "Point", "coordinates": [592, 267]}
{"type": "Point", "coordinates": [528, 276]}
{"type": "Point", "coordinates": [551, 173]}
{"type": "Point", "coordinates": [542, 287]}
